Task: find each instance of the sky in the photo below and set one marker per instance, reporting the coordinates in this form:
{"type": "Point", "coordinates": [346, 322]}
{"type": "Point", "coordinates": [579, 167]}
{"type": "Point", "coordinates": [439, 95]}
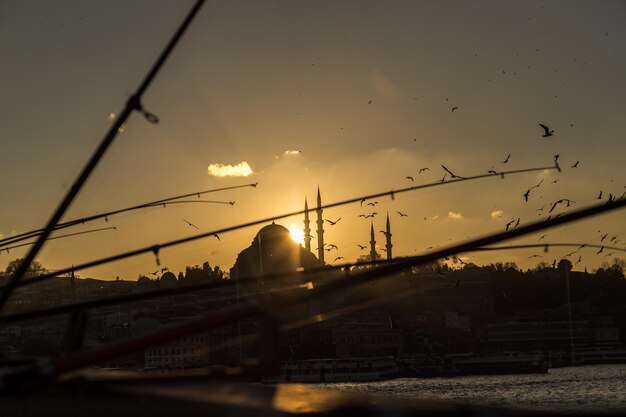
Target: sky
{"type": "Point", "coordinates": [350, 96]}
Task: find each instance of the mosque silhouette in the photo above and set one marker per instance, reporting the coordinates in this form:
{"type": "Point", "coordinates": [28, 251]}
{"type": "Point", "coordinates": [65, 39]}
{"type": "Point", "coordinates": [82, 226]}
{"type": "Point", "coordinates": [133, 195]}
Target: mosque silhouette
{"type": "Point", "coordinates": [274, 251]}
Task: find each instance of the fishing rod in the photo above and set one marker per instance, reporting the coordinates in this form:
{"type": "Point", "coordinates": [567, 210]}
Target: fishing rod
{"type": "Point", "coordinates": [155, 203]}
{"type": "Point", "coordinates": [157, 247]}
{"type": "Point", "coordinates": [74, 361]}
{"type": "Point", "coordinates": [63, 236]}
{"type": "Point", "coordinates": [132, 104]}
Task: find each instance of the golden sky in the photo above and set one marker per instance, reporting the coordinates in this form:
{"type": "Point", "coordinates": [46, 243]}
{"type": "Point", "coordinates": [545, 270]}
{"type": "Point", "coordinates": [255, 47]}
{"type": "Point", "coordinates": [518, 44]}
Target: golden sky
{"type": "Point", "coordinates": [352, 96]}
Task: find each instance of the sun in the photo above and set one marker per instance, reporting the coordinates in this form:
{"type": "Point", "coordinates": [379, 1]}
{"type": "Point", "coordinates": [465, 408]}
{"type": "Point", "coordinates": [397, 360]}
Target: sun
{"type": "Point", "coordinates": [296, 234]}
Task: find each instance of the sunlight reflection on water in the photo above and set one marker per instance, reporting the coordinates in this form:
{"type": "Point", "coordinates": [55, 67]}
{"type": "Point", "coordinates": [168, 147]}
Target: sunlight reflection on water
{"type": "Point", "coordinates": [574, 389]}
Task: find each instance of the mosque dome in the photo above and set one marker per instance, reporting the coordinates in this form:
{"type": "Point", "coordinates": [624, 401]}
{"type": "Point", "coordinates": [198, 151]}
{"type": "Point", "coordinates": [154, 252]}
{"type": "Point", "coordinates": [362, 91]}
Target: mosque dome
{"type": "Point", "coordinates": [272, 231]}
{"type": "Point", "coordinates": [168, 279]}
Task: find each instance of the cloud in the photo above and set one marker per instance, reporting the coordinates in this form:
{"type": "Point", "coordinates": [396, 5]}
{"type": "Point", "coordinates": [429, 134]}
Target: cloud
{"type": "Point", "coordinates": [435, 217]}
{"type": "Point", "coordinates": [454, 216]}
{"type": "Point", "coordinates": [496, 214]}
{"type": "Point", "coordinates": [383, 85]}
{"type": "Point", "coordinates": [293, 152]}
{"type": "Point", "coordinates": [242, 169]}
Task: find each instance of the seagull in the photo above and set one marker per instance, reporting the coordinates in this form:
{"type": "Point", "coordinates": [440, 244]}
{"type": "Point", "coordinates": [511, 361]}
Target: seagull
{"type": "Point", "coordinates": [535, 256]}
{"type": "Point", "coordinates": [402, 214]}
{"type": "Point", "coordinates": [372, 204]}
{"type": "Point", "coordinates": [526, 194]}
{"type": "Point", "coordinates": [507, 159]}
{"type": "Point", "coordinates": [362, 215]}
{"type": "Point", "coordinates": [569, 254]}
{"type": "Point", "coordinates": [332, 223]}
{"type": "Point", "coordinates": [454, 108]}
{"type": "Point", "coordinates": [538, 184]}
{"type": "Point", "coordinates": [424, 169]}
{"type": "Point", "coordinates": [556, 158]}
{"type": "Point", "coordinates": [462, 261]}
{"type": "Point", "coordinates": [575, 165]}
{"type": "Point", "coordinates": [255, 184]}
{"type": "Point", "coordinates": [603, 237]}
{"type": "Point", "coordinates": [542, 236]}
{"type": "Point", "coordinates": [217, 236]}
{"type": "Point", "coordinates": [338, 258]}
{"type": "Point", "coordinates": [332, 245]}
{"type": "Point", "coordinates": [371, 215]}
{"type": "Point", "coordinates": [579, 259]}
{"type": "Point", "coordinates": [491, 171]}
{"type": "Point", "coordinates": [362, 201]}
{"type": "Point", "coordinates": [190, 224]}
{"type": "Point", "coordinates": [517, 223]}
{"type": "Point", "coordinates": [555, 181]}
{"type": "Point", "coordinates": [599, 196]}
{"type": "Point", "coordinates": [509, 224]}
{"type": "Point", "coordinates": [164, 269]}
{"type": "Point", "coordinates": [600, 251]}
{"type": "Point", "coordinates": [154, 273]}
{"type": "Point", "coordinates": [444, 177]}
{"type": "Point", "coordinates": [369, 102]}
{"type": "Point", "coordinates": [450, 172]}
{"type": "Point", "coordinates": [384, 233]}
{"type": "Point", "coordinates": [410, 178]}
{"type": "Point", "coordinates": [361, 246]}
{"type": "Point", "coordinates": [546, 131]}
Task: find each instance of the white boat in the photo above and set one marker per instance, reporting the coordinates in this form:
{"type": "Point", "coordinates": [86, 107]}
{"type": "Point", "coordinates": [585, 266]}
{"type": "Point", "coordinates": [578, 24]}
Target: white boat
{"type": "Point", "coordinates": [339, 370]}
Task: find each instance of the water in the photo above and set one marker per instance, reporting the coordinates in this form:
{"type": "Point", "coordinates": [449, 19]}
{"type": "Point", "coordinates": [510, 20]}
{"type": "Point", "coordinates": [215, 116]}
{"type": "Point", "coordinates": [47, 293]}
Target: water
{"type": "Point", "coordinates": [599, 388]}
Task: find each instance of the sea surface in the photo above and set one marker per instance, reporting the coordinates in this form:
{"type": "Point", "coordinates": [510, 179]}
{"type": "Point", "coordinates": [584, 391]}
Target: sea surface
{"type": "Point", "coordinates": [599, 388]}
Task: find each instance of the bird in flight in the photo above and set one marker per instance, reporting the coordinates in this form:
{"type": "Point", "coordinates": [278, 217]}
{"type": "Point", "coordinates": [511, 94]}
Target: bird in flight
{"type": "Point", "coordinates": [563, 200]}
{"type": "Point", "coordinates": [164, 269]}
{"type": "Point", "coordinates": [517, 223]}
{"type": "Point", "coordinates": [361, 246]}
{"type": "Point", "coordinates": [362, 201]}
{"type": "Point", "coordinates": [546, 131]}
{"type": "Point", "coordinates": [402, 214]}
{"type": "Point", "coordinates": [507, 159]}
{"type": "Point", "coordinates": [542, 236]}
{"type": "Point", "coordinates": [338, 258]}
{"type": "Point", "coordinates": [217, 236]}
{"type": "Point", "coordinates": [372, 204]}
{"type": "Point", "coordinates": [369, 102]}
{"type": "Point", "coordinates": [255, 184]}
{"type": "Point", "coordinates": [371, 215]}
{"type": "Point", "coordinates": [424, 169]}
{"type": "Point", "coordinates": [604, 237]}
{"type": "Point", "coordinates": [383, 232]}
{"type": "Point", "coordinates": [444, 177]}
{"type": "Point", "coordinates": [154, 273]}
{"type": "Point", "coordinates": [332, 223]}
{"type": "Point", "coordinates": [535, 256]}
{"type": "Point", "coordinates": [450, 172]}
{"type": "Point", "coordinates": [509, 225]}
{"type": "Point", "coordinates": [454, 108]}
{"type": "Point", "coordinates": [410, 178]}
{"type": "Point", "coordinates": [600, 251]}
{"type": "Point", "coordinates": [190, 224]}
{"type": "Point", "coordinates": [575, 165]}
{"type": "Point", "coordinates": [491, 171]}
{"type": "Point", "coordinates": [526, 194]}
{"type": "Point", "coordinates": [599, 196]}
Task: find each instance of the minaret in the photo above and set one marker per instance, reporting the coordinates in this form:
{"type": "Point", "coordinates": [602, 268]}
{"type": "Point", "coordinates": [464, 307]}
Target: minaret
{"type": "Point", "coordinates": [388, 236]}
{"type": "Point", "coordinates": [320, 227]}
{"type": "Point", "coordinates": [372, 244]}
{"type": "Point", "coordinates": [307, 229]}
